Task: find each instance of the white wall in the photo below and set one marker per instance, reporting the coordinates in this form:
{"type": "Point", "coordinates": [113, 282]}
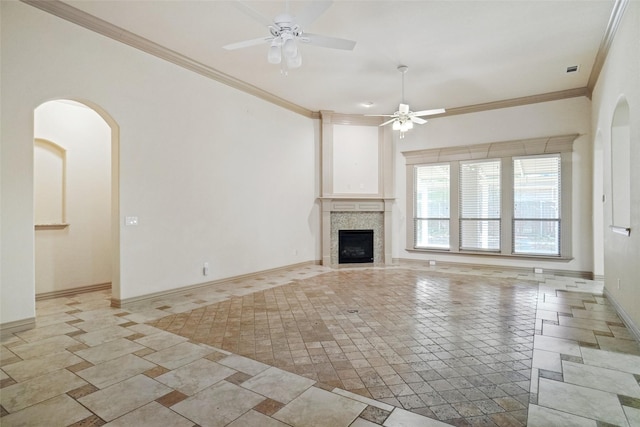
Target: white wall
{"type": "Point", "coordinates": [570, 116]}
{"type": "Point", "coordinates": [620, 78]}
{"type": "Point", "coordinates": [355, 159]}
{"type": "Point", "coordinates": [79, 255]}
{"type": "Point", "coordinates": [214, 175]}
{"type": "Point", "coordinates": [598, 207]}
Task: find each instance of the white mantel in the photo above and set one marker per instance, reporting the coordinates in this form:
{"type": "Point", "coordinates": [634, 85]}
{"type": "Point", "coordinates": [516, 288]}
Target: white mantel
{"type": "Point", "coordinates": [374, 162]}
{"type": "Point", "coordinates": [356, 212]}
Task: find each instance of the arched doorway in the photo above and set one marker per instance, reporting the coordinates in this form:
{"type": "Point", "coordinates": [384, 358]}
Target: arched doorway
{"type": "Point", "coordinates": [76, 191]}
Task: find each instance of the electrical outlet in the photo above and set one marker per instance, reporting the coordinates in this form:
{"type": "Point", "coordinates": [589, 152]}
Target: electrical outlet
{"type": "Point", "coordinates": [205, 269]}
{"type": "Point", "coordinates": [537, 270]}
{"type": "Point", "coordinates": [432, 262]}
{"type": "Point", "coordinates": [618, 283]}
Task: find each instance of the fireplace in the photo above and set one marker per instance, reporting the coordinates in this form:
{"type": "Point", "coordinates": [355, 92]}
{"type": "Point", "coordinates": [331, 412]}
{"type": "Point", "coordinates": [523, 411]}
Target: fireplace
{"type": "Point", "coordinates": [353, 214]}
{"type": "Point", "coordinates": [355, 246]}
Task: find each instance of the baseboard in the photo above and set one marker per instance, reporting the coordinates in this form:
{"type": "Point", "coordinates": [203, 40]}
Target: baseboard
{"type": "Point", "coordinates": [17, 326]}
{"type": "Point", "coordinates": [73, 291]}
{"type": "Point", "coordinates": [568, 273]}
{"type": "Point", "coordinates": [120, 303]}
{"type": "Point", "coordinates": [635, 330]}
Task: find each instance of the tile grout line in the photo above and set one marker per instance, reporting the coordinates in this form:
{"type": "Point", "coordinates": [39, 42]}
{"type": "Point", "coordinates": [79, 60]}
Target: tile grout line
{"type": "Point", "coordinates": [531, 380]}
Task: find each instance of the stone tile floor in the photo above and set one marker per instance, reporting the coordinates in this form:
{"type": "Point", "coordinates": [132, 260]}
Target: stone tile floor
{"type": "Point", "coordinates": [311, 346]}
{"type": "Point", "coordinates": [445, 346]}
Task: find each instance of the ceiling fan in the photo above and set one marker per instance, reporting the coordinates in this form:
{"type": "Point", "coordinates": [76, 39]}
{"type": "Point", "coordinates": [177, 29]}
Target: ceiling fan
{"type": "Point", "coordinates": [286, 32]}
{"type": "Point", "coordinates": [403, 119]}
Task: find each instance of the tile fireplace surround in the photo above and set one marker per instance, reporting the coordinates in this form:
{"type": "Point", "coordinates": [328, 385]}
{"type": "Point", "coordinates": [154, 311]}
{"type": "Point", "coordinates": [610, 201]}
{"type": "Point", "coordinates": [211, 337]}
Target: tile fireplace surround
{"type": "Point", "coordinates": [356, 214]}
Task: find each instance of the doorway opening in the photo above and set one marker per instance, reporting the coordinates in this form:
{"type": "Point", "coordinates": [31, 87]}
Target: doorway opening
{"type": "Point", "coordinates": [76, 194]}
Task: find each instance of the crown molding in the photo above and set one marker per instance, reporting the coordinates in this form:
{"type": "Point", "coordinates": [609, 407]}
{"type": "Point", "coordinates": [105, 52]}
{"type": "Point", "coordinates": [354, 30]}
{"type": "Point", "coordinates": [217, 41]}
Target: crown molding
{"type": "Point", "coordinates": [90, 22]}
{"type": "Point", "coordinates": [617, 13]}
{"type": "Point", "coordinates": [494, 105]}
{"type": "Point", "coordinates": [350, 119]}
{"type": "Point", "coordinates": [517, 102]}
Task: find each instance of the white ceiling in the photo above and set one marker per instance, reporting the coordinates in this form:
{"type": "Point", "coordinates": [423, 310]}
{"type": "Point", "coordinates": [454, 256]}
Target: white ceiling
{"type": "Point", "coordinates": [459, 53]}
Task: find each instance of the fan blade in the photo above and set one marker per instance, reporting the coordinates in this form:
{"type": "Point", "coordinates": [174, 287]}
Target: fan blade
{"type": "Point", "coordinates": [248, 10]}
{"type": "Point", "coordinates": [247, 43]}
{"type": "Point", "coordinates": [312, 12]}
{"type": "Point", "coordinates": [330, 42]}
{"type": "Point", "coordinates": [418, 120]}
{"type": "Point", "coordinates": [380, 115]}
{"type": "Point", "coordinates": [429, 112]}
{"type": "Point", "coordinates": [388, 121]}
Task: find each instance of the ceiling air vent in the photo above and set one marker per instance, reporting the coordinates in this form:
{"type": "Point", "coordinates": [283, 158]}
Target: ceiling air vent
{"type": "Point", "coordinates": [572, 69]}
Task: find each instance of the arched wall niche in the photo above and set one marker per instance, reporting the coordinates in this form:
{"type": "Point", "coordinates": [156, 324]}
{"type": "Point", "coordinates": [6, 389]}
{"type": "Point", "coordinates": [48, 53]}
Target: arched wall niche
{"type": "Point", "coordinates": [621, 168]}
{"type": "Point", "coordinates": [49, 184]}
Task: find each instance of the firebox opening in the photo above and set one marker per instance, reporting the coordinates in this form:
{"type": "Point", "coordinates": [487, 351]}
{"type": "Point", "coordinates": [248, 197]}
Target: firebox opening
{"type": "Point", "coordinates": [355, 246]}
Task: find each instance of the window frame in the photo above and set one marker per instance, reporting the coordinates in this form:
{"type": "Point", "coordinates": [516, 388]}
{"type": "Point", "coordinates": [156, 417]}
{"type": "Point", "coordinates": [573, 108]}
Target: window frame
{"type": "Point", "coordinates": [505, 151]}
{"type": "Point", "coordinates": [540, 219]}
{"type": "Point", "coordinates": [414, 213]}
{"type": "Point", "coordinates": [487, 219]}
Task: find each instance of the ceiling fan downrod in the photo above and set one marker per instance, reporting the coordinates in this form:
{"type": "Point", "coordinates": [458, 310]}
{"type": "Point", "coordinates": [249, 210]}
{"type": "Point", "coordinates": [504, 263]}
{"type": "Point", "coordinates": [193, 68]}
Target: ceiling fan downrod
{"type": "Point", "coordinates": [403, 69]}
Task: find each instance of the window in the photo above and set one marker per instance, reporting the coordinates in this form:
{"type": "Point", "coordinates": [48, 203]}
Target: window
{"type": "Point", "coordinates": [431, 216]}
{"type": "Point", "coordinates": [508, 198]}
{"type": "Point", "coordinates": [480, 205]}
{"type": "Point", "coordinates": [536, 205]}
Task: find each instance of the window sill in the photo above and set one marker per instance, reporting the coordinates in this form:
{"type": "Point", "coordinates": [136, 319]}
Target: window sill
{"type": "Point", "coordinates": [491, 254]}
{"type": "Point", "coordinates": [51, 226]}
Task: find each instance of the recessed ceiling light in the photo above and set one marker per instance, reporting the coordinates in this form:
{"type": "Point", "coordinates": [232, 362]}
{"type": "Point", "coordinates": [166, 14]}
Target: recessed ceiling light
{"type": "Point", "coordinates": [573, 69]}
{"type": "Point", "coordinates": [368, 104]}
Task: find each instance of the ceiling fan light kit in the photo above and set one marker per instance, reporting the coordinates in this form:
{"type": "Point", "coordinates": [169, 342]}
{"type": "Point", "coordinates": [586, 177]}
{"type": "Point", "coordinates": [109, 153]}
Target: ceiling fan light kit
{"type": "Point", "coordinates": [274, 56]}
{"type": "Point", "coordinates": [287, 50]}
{"type": "Point", "coordinates": [403, 119]}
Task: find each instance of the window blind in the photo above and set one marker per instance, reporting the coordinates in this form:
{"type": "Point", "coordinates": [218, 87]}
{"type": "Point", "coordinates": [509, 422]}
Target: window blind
{"type": "Point", "coordinates": [432, 215]}
{"type": "Point", "coordinates": [480, 205]}
{"type": "Point", "coordinates": [536, 205]}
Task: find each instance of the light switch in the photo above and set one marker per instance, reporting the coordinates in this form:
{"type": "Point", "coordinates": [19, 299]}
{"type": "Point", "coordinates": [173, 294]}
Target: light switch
{"type": "Point", "coordinates": [130, 220]}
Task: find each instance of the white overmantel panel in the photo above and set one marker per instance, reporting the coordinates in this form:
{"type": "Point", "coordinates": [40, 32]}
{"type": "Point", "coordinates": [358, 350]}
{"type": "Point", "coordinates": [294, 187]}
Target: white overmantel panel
{"type": "Point", "coordinates": [357, 157]}
{"type": "Point", "coordinates": [343, 188]}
